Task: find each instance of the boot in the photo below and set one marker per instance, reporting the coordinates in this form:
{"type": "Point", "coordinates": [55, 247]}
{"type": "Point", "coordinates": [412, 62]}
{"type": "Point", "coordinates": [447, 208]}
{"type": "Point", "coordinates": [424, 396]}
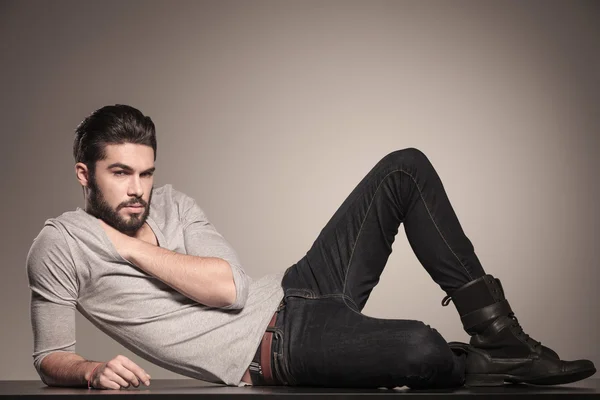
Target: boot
{"type": "Point", "coordinates": [499, 350]}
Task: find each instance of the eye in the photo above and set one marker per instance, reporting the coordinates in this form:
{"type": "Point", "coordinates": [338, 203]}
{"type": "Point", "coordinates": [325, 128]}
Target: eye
{"type": "Point", "coordinates": [119, 173]}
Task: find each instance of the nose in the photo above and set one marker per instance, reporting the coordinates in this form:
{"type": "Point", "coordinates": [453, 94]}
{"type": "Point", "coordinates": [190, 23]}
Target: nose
{"type": "Point", "coordinates": [135, 187]}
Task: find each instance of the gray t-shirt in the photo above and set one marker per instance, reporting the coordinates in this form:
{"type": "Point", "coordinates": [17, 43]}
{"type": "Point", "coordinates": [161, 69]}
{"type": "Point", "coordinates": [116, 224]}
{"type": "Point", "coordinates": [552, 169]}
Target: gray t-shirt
{"type": "Point", "coordinates": [72, 264]}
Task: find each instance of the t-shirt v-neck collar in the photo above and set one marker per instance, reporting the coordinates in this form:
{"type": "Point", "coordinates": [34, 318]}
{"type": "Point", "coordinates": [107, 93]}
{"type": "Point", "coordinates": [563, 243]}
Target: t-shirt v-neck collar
{"type": "Point", "coordinates": [153, 226]}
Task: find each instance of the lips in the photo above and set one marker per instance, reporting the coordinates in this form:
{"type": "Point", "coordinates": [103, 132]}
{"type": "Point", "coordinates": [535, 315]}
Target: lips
{"type": "Point", "coordinates": [135, 206]}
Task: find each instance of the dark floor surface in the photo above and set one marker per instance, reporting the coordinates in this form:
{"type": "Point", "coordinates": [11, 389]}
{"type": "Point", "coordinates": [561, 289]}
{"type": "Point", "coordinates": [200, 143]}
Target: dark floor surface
{"type": "Point", "coordinates": [188, 388]}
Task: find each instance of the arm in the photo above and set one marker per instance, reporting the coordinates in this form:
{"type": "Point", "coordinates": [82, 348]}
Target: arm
{"type": "Point", "coordinates": [66, 369]}
{"type": "Point", "coordinates": [52, 324]}
{"type": "Point", "coordinates": [54, 290]}
{"type": "Point", "coordinates": [210, 273]}
{"type": "Point", "coordinates": [207, 280]}
{"type": "Point", "coordinates": [202, 240]}
{"type": "Point", "coordinates": [72, 370]}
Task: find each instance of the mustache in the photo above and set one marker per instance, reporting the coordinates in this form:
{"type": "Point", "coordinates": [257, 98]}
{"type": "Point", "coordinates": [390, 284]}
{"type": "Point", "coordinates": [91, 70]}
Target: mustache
{"type": "Point", "coordinates": [139, 202]}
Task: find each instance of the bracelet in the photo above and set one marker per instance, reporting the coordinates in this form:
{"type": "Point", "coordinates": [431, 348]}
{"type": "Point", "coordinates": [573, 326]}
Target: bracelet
{"type": "Point", "coordinates": [91, 375]}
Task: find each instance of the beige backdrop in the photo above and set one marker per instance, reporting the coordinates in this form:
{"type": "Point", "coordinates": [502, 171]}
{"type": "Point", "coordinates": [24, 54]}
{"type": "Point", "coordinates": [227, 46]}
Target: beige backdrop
{"type": "Point", "coordinates": [270, 112]}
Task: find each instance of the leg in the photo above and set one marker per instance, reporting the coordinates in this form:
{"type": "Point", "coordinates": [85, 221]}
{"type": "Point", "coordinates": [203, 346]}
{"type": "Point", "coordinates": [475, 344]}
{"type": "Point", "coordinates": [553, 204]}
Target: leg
{"type": "Point", "coordinates": [345, 263]}
{"type": "Point", "coordinates": [351, 251]}
{"type": "Point", "coordinates": [500, 350]}
{"type": "Point", "coordinates": [329, 344]}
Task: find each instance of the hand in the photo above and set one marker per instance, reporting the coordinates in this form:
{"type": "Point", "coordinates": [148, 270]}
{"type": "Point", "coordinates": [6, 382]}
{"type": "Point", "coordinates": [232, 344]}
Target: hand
{"type": "Point", "coordinates": [120, 372]}
{"type": "Point", "coordinates": [118, 239]}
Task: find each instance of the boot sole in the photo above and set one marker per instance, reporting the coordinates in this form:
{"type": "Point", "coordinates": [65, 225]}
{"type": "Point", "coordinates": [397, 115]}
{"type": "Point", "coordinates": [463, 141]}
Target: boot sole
{"type": "Point", "coordinates": [500, 379]}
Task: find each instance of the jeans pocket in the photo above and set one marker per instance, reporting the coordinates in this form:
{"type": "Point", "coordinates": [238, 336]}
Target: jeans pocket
{"type": "Point", "coordinates": [299, 292]}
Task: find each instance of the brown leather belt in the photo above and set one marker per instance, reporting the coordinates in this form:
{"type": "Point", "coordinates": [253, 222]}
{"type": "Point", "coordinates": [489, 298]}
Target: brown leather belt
{"type": "Point", "coordinates": [265, 353]}
{"type": "Point", "coordinates": [260, 371]}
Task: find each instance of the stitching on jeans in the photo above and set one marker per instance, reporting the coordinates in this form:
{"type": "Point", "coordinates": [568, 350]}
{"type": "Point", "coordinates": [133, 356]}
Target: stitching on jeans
{"type": "Point", "coordinates": [428, 212]}
{"type": "Point", "coordinates": [282, 361]}
{"type": "Point", "coordinates": [334, 295]}
{"type": "Point", "coordinates": [285, 367]}
{"type": "Point", "coordinates": [436, 226]}
{"type": "Point", "coordinates": [313, 296]}
{"type": "Point", "coordinates": [300, 292]}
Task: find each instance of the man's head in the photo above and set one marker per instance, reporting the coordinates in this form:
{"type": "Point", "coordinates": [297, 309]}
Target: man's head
{"type": "Point", "coordinates": [115, 150]}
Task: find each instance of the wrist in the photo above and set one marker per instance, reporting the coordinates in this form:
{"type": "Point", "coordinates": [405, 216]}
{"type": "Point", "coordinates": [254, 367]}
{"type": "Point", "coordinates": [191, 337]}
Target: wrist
{"type": "Point", "coordinates": [135, 249]}
{"type": "Point", "coordinates": [90, 377]}
{"type": "Point", "coordinates": [127, 246]}
{"type": "Point", "coordinates": [131, 247]}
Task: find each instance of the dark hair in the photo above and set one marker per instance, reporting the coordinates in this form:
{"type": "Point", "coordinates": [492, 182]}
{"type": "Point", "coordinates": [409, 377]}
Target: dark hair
{"type": "Point", "coordinates": [116, 124]}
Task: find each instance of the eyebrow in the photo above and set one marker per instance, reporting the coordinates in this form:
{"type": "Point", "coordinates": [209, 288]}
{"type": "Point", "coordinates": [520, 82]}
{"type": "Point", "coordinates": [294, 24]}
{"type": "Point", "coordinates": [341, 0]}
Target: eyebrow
{"type": "Point", "coordinates": [128, 168]}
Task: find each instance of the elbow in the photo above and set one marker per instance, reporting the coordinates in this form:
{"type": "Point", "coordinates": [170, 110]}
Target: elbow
{"type": "Point", "coordinates": [47, 380]}
{"type": "Point", "coordinates": [235, 305]}
{"type": "Point", "coordinates": [237, 290]}
{"type": "Point", "coordinates": [230, 299]}
{"type": "Point", "coordinates": [237, 299]}
{"type": "Point", "coordinates": [37, 364]}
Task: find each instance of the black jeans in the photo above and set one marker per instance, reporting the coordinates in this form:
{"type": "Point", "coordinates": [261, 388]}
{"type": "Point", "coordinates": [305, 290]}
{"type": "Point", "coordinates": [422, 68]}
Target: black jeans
{"type": "Point", "coordinates": [322, 338]}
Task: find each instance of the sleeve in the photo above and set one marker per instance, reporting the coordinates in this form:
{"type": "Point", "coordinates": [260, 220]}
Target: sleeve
{"type": "Point", "coordinates": [54, 288]}
{"type": "Point", "coordinates": [202, 239]}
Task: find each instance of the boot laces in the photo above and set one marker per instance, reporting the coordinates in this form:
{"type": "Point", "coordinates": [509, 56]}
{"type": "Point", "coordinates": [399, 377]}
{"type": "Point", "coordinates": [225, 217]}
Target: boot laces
{"type": "Point", "coordinates": [446, 300]}
{"type": "Point", "coordinates": [521, 333]}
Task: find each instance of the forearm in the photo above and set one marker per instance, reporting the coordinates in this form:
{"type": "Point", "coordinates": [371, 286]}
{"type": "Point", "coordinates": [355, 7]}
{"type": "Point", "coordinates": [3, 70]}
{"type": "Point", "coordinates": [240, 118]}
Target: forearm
{"type": "Point", "coordinates": [66, 369]}
{"type": "Point", "coordinates": [207, 280]}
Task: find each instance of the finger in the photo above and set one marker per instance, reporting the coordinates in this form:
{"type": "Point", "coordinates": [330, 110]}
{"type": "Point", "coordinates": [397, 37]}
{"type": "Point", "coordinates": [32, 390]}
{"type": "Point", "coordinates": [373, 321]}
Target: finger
{"type": "Point", "coordinates": [116, 366]}
{"type": "Point", "coordinates": [127, 375]}
{"type": "Point", "coordinates": [111, 380]}
{"type": "Point", "coordinates": [137, 371]}
{"type": "Point", "coordinates": [132, 372]}
{"type": "Point", "coordinates": [101, 381]}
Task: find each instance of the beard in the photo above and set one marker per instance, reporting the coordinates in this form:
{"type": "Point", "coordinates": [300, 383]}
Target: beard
{"type": "Point", "coordinates": [99, 208]}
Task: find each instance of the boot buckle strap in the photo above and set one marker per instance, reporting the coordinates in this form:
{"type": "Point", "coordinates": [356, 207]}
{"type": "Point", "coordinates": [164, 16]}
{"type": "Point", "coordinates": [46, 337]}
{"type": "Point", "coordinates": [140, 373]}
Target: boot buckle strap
{"type": "Point", "coordinates": [496, 326]}
{"type": "Point", "coordinates": [484, 314]}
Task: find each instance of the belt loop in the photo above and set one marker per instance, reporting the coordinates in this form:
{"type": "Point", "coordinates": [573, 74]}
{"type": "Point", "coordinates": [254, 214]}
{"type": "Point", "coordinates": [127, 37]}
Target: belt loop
{"type": "Point", "coordinates": [266, 352]}
{"type": "Point", "coordinates": [281, 305]}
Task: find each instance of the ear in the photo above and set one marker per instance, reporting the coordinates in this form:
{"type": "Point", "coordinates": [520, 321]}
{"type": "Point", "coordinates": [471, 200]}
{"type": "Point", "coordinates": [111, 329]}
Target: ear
{"type": "Point", "coordinates": [82, 174]}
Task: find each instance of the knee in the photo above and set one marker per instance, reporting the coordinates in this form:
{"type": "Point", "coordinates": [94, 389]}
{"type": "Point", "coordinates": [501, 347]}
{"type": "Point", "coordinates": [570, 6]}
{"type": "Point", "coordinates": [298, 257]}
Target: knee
{"type": "Point", "coordinates": [409, 156]}
{"type": "Point", "coordinates": [428, 347]}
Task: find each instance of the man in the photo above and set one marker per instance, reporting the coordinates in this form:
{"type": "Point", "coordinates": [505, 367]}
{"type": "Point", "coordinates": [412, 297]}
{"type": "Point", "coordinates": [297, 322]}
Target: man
{"type": "Point", "coordinates": [147, 267]}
